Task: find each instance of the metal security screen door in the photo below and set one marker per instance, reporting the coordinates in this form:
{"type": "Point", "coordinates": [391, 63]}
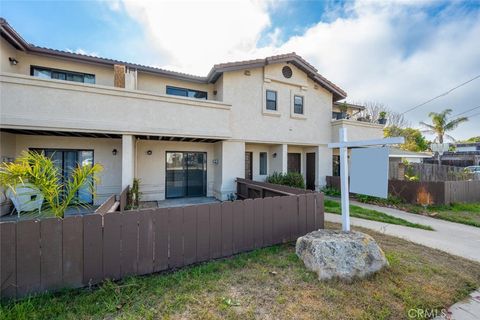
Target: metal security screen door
{"type": "Point", "coordinates": [186, 174]}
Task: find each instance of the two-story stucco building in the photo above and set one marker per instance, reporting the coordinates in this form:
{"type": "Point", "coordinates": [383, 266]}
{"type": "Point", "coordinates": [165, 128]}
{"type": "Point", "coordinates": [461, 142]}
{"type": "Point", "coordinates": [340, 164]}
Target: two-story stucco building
{"type": "Point", "coordinates": [181, 135]}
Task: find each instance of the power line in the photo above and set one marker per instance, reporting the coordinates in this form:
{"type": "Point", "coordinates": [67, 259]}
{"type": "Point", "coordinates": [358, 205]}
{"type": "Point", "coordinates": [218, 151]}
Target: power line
{"type": "Point", "coordinates": [459, 114]}
{"type": "Point", "coordinates": [474, 115]}
{"type": "Point", "coordinates": [441, 95]}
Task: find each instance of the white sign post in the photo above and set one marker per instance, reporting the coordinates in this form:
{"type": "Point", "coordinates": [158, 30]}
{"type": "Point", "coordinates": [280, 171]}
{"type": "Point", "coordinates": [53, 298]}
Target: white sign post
{"type": "Point", "coordinates": [344, 144]}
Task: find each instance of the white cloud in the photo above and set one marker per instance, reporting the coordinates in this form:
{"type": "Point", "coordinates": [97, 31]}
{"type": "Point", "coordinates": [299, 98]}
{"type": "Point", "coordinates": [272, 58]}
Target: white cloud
{"type": "Point", "coordinates": [84, 52]}
{"type": "Point", "coordinates": [191, 36]}
{"type": "Point", "coordinates": [392, 52]}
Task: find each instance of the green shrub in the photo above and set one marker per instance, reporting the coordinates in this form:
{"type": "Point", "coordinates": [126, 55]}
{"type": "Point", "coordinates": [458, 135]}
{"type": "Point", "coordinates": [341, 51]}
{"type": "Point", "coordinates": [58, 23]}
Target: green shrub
{"type": "Point", "coordinates": [291, 179]}
{"type": "Point", "coordinates": [330, 191]}
{"type": "Point", "coordinates": [40, 171]}
{"type": "Point", "coordinates": [275, 178]}
{"type": "Point", "coordinates": [391, 199]}
{"type": "Point", "coordinates": [294, 179]}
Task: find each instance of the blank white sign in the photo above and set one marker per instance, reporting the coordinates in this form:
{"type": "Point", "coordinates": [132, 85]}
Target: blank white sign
{"type": "Point", "coordinates": [369, 171]}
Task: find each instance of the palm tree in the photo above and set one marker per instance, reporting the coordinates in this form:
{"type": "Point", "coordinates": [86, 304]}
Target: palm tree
{"type": "Point", "coordinates": [441, 124]}
{"type": "Point", "coordinates": [40, 171]}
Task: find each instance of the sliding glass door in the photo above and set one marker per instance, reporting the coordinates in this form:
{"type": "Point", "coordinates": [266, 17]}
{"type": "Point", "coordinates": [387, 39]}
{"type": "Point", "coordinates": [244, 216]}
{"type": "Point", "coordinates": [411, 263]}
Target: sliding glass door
{"type": "Point", "coordinates": [186, 174]}
{"type": "Point", "coordinates": [66, 160]}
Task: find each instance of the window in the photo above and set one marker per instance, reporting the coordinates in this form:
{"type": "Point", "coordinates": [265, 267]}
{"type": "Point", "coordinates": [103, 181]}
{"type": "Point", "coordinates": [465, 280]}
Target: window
{"type": "Point", "coordinates": [271, 100]}
{"type": "Point", "coordinates": [66, 160]}
{"type": "Point", "coordinates": [263, 163]}
{"type": "Point", "coordinates": [298, 104]}
{"type": "Point", "coordinates": [336, 165]}
{"type": "Point", "coordinates": [190, 93]}
{"type": "Point", "coordinates": [47, 73]}
{"type": "Point", "coordinates": [337, 115]}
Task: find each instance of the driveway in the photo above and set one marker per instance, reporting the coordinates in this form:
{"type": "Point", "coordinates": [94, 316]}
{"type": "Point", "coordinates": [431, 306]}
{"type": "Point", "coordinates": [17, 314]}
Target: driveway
{"type": "Point", "coordinates": [454, 238]}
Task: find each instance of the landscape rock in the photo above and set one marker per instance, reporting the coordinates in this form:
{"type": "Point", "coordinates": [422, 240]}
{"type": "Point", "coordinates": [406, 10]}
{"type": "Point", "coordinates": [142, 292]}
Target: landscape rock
{"type": "Point", "coordinates": [343, 255]}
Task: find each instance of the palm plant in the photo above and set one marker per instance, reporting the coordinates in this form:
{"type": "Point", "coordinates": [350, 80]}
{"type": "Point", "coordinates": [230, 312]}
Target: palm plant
{"type": "Point", "coordinates": [441, 124]}
{"type": "Point", "coordinates": [40, 171]}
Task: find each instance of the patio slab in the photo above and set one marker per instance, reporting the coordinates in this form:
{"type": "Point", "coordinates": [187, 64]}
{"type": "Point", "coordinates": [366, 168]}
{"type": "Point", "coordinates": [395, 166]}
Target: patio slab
{"type": "Point", "coordinates": [180, 202]}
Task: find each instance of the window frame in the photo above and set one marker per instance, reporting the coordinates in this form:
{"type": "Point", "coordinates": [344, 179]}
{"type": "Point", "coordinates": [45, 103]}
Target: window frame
{"type": "Point", "coordinates": [64, 72]}
{"type": "Point", "coordinates": [295, 104]}
{"type": "Point", "coordinates": [260, 171]}
{"type": "Point", "coordinates": [187, 90]}
{"type": "Point", "coordinates": [267, 100]}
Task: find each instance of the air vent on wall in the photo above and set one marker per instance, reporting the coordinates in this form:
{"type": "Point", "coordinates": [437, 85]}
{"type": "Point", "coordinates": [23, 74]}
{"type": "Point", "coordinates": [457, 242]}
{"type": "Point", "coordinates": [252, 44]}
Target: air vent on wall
{"type": "Point", "coordinates": [287, 72]}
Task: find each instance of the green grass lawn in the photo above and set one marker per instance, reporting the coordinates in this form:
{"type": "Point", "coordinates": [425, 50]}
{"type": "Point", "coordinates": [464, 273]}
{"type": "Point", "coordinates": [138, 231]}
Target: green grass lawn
{"type": "Point", "coordinates": [270, 283]}
{"type": "Point", "coordinates": [466, 213]}
{"type": "Point", "coordinates": [333, 206]}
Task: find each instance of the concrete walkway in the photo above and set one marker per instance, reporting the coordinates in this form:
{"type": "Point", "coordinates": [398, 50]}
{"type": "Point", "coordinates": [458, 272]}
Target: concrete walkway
{"type": "Point", "coordinates": [454, 238]}
{"type": "Point", "coordinates": [464, 310]}
{"type": "Point", "coordinates": [457, 239]}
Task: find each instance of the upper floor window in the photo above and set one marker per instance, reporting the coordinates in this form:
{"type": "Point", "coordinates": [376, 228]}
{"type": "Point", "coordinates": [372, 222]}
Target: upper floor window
{"type": "Point", "coordinates": [298, 104]}
{"type": "Point", "coordinates": [190, 93]}
{"type": "Point", "coordinates": [271, 100]}
{"type": "Point", "coordinates": [337, 115]}
{"type": "Point", "coordinates": [48, 73]}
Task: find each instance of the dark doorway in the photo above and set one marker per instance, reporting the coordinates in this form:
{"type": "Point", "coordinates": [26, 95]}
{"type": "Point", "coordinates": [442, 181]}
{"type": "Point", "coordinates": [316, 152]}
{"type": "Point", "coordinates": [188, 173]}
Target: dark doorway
{"type": "Point", "coordinates": [248, 165]}
{"type": "Point", "coordinates": [186, 174]}
{"type": "Point", "coordinates": [293, 164]}
{"type": "Point", "coordinates": [311, 171]}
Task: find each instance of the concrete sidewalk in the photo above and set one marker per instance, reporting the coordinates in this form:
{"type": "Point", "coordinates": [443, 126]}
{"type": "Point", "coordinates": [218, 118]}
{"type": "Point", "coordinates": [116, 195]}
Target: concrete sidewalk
{"type": "Point", "coordinates": [454, 238]}
{"type": "Point", "coordinates": [457, 239]}
{"type": "Point", "coordinates": [464, 310]}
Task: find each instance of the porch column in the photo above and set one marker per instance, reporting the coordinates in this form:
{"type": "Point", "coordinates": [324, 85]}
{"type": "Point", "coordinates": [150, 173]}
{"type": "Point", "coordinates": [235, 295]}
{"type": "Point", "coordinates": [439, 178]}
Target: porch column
{"type": "Point", "coordinates": [128, 160]}
{"type": "Point", "coordinates": [279, 161]}
{"type": "Point", "coordinates": [231, 164]}
{"type": "Point", "coordinates": [323, 166]}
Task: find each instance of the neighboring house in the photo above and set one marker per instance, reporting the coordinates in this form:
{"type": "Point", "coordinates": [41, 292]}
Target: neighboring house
{"type": "Point", "coordinates": [397, 155]}
{"type": "Point", "coordinates": [352, 110]}
{"type": "Point", "coordinates": [465, 154]}
{"type": "Point", "coordinates": [181, 135]}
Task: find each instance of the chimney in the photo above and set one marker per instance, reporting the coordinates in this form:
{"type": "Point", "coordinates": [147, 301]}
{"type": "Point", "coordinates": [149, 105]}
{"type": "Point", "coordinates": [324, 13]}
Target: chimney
{"type": "Point", "coordinates": [119, 76]}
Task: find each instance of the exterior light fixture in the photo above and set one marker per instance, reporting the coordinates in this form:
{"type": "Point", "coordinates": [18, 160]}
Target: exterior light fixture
{"type": "Point", "coordinates": [13, 61]}
{"type": "Point", "coordinates": [215, 161]}
{"type": "Point", "coordinates": [246, 72]}
{"type": "Point", "coordinates": [114, 152]}
{"type": "Point", "coordinates": [149, 152]}
{"type": "Point", "coordinates": [274, 155]}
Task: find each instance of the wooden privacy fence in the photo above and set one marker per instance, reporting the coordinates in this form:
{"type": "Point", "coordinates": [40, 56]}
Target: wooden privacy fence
{"type": "Point", "coordinates": [250, 189]}
{"type": "Point", "coordinates": [429, 172]}
{"type": "Point", "coordinates": [428, 192]}
{"type": "Point", "coordinates": [77, 251]}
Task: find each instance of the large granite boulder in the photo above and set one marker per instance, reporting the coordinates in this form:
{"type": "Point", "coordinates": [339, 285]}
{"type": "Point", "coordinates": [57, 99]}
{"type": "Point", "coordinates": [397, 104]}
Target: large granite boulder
{"type": "Point", "coordinates": [338, 254]}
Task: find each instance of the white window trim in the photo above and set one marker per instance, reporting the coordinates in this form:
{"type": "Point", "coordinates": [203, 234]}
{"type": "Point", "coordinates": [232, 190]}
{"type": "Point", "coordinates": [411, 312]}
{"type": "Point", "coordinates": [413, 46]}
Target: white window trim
{"type": "Point", "coordinates": [292, 105]}
{"type": "Point", "coordinates": [265, 111]}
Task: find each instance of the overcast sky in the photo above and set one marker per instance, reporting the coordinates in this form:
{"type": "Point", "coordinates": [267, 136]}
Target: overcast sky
{"type": "Point", "coordinates": [399, 53]}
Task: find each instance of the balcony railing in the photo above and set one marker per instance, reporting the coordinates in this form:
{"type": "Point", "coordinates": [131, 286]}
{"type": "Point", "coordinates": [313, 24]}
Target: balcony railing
{"type": "Point", "coordinates": [361, 130]}
{"type": "Point", "coordinates": [33, 103]}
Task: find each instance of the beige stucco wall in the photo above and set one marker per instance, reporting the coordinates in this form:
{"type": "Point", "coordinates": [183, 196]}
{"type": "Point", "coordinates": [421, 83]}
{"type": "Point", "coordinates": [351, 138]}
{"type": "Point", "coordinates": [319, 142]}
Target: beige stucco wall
{"type": "Point", "coordinates": [110, 182]}
{"type": "Point", "coordinates": [61, 105]}
{"type": "Point", "coordinates": [103, 74]}
{"type": "Point", "coordinates": [150, 169]}
{"type": "Point", "coordinates": [7, 146]}
{"type": "Point", "coordinates": [250, 122]}
{"type": "Point", "coordinates": [357, 130]}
